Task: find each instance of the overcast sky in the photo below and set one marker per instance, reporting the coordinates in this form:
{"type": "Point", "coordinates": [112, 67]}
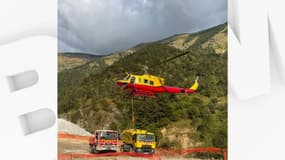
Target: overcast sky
{"type": "Point", "coordinates": [106, 26]}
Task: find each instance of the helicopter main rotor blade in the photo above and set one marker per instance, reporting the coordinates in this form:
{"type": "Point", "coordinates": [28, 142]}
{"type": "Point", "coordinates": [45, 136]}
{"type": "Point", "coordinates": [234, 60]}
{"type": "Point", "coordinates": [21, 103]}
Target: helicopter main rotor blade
{"type": "Point", "coordinates": [174, 57]}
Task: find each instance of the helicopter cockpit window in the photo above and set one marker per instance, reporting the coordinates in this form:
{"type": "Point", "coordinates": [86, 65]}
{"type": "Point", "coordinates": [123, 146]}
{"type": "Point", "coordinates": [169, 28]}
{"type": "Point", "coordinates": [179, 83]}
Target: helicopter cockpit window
{"type": "Point", "coordinates": [133, 79]}
{"type": "Point", "coordinates": [145, 81]}
{"type": "Point", "coordinates": [151, 83]}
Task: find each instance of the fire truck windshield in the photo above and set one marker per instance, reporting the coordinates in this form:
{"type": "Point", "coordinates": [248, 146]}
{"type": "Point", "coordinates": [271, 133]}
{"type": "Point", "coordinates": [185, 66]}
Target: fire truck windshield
{"type": "Point", "coordinates": [108, 135]}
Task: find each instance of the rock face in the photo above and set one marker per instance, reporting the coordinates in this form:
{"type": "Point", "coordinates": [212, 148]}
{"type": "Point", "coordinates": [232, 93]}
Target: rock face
{"type": "Point", "coordinates": [70, 128]}
{"type": "Point", "coordinates": [180, 135]}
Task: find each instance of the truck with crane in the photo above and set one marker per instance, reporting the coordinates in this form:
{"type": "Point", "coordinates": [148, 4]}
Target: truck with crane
{"type": "Point", "coordinates": [137, 140]}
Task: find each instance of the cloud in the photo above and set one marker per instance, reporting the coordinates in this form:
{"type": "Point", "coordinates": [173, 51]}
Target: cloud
{"type": "Point", "coordinates": [106, 26]}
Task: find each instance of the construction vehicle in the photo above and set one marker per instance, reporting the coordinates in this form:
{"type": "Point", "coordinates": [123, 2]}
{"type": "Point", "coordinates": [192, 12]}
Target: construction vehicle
{"type": "Point", "coordinates": [103, 140]}
{"type": "Point", "coordinates": [136, 140]}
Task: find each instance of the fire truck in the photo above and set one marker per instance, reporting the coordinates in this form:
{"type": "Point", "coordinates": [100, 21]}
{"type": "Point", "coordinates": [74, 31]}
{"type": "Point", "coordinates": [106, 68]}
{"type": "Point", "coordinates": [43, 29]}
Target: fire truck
{"type": "Point", "coordinates": [136, 140]}
{"type": "Point", "coordinates": [103, 141]}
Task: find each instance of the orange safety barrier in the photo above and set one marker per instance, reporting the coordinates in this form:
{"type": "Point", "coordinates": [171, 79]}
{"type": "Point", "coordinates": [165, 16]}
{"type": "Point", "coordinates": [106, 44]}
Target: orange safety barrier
{"type": "Point", "coordinates": [221, 151]}
{"type": "Point", "coordinates": [131, 154]}
{"type": "Point", "coordinates": [148, 156]}
{"type": "Point", "coordinates": [69, 136]}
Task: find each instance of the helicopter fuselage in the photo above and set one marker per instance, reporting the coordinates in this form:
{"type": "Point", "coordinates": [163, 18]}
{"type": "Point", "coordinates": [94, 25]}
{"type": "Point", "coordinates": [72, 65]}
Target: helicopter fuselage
{"type": "Point", "coordinates": [148, 85]}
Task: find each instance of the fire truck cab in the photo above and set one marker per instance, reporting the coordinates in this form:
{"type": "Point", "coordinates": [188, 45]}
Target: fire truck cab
{"type": "Point", "coordinates": [103, 140]}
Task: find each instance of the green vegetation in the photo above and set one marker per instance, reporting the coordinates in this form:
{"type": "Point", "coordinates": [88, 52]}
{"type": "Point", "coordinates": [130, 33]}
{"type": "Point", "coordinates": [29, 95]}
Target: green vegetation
{"type": "Point", "coordinates": [90, 97]}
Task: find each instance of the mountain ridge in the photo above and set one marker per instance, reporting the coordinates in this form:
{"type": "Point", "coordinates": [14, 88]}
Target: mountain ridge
{"type": "Point", "coordinates": [71, 60]}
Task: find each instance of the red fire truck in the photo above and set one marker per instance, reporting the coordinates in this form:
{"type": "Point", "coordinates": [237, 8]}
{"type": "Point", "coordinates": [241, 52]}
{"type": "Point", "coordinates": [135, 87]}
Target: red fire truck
{"type": "Point", "coordinates": [103, 140]}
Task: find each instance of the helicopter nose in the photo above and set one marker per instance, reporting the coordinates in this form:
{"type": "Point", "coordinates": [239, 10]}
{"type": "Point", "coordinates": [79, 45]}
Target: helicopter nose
{"type": "Point", "coordinates": [120, 83]}
{"type": "Point", "coordinates": [123, 85]}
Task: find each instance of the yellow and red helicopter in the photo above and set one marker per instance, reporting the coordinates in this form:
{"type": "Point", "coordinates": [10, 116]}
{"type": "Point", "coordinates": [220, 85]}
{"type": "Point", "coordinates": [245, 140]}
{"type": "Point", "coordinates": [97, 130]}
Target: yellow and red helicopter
{"type": "Point", "coordinates": [147, 85]}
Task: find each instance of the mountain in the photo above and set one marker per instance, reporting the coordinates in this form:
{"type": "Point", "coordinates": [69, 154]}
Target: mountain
{"type": "Point", "coordinates": [89, 97]}
{"type": "Point", "coordinates": [72, 60]}
{"type": "Point", "coordinates": [214, 38]}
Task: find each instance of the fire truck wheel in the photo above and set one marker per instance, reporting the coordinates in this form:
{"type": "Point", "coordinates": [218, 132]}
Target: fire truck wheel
{"type": "Point", "coordinates": [96, 151]}
{"type": "Point", "coordinates": [131, 149]}
{"type": "Point", "coordinates": [91, 150]}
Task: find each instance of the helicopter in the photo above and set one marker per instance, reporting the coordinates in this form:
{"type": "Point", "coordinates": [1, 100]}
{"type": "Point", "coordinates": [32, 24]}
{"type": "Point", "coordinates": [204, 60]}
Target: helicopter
{"type": "Point", "coordinates": [147, 85]}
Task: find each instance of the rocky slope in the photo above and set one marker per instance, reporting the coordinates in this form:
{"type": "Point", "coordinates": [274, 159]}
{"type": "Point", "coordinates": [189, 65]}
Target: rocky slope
{"type": "Point", "coordinates": [71, 128]}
